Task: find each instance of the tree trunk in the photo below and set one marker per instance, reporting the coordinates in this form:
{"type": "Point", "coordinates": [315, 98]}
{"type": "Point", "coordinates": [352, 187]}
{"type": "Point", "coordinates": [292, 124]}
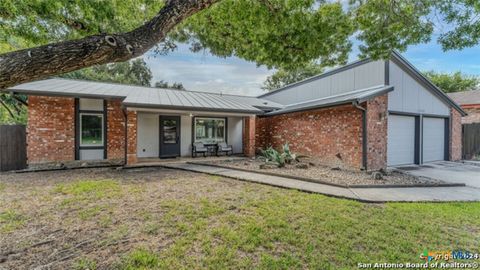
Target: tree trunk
{"type": "Point", "coordinates": [56, 58]}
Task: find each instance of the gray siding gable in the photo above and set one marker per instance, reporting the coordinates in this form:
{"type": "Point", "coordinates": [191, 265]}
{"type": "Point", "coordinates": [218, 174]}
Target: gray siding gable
{"type": "Point", "coordinates": [412, 91]}
{"type": "Point", "coordinates": [358, 75]}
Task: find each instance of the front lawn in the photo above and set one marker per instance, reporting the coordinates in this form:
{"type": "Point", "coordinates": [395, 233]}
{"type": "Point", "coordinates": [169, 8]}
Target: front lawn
{"type": "Point", "coordinates": [158, 218]}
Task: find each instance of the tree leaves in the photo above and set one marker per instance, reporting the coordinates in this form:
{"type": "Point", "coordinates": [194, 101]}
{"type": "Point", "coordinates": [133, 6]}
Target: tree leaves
{"type": "Point", "coordinates": [453, 82]}
{"type": "Point", "coordinates": [134, 72]}
{"type": "Point", "coordinates": [36, 22]}
{"type": "Point", "coordinates": [284, 34]}
{"type": "Point", "coordinates": [284, 77]}
{"type": "Point", "coordinates": [384, 25]}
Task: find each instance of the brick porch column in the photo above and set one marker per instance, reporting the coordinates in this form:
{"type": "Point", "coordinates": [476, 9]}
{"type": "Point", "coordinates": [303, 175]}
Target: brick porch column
{"type": "Point", "coordinates": [455, 142]}
{"type": "Point", "coordinates": [249, 136]}
{"type": "Point", "coordinates": [131, 137]}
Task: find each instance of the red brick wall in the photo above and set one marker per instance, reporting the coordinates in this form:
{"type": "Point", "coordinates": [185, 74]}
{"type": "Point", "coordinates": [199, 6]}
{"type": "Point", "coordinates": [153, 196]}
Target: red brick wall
{"type": "Point", "coordinates": [50, 129]}
{"type": "Point", "coordinates": [377, 132]}
{"type": "Point", "coordinates": [455, 135]}
{"type": "Point", "coordinates": [473, 112]}
{"type": "Point", "coordinates": [333, 135]}
{"type": "Point", "coordinates": [261, 132]}
{"type": "Point", "coordinates": [115, 130]}
{"type": "Point", "coordinates": [131, 137]}
{"type": "Point", "coordinates": [249, 136]}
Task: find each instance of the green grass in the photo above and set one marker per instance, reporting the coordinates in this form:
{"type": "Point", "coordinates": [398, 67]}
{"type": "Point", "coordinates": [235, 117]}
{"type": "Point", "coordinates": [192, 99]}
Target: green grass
{"type": "Point", "coordinates": [87, 191]}
{"type": "Point", "coordinates": [95, 188]}
{"type": "Point", "coordinates": [140, 259]}
{"type": "Point", "coordinates": [2, 187]}
{"type": "Point", "coordinates": [294, 230]}
{"type": "Point", "coordinates": [84, 264]}
{"type": "Point", "coordinates": [213, 223]}
{"type": "Point", "coordinates": [10, 220]}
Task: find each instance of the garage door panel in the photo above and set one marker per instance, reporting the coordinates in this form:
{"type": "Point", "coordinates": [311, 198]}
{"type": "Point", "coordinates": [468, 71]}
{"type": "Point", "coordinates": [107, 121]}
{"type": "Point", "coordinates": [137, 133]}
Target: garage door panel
{"type": "Point", "coordinates": [433, 139]}
{"type": "Point", "coordinates": [401, 140]}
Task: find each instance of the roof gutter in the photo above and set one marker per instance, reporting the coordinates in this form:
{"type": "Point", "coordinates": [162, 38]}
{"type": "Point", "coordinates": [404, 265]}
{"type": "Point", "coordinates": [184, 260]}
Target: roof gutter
{"type": "Point", "coordinates": [364, 133]}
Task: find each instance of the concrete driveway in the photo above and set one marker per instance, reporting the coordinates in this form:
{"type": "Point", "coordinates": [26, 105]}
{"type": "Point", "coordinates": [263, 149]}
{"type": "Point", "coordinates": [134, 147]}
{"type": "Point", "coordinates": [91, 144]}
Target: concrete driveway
{"type": "Point", "coordinates": [452, 172]}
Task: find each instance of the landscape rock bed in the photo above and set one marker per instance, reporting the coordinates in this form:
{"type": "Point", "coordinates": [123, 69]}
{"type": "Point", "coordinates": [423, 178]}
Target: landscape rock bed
{"type": "Point", "coordinates": [313, 170]}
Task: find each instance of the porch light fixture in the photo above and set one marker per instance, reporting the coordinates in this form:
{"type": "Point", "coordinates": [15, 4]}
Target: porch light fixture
{"type": "Point", "coordinates": [191, 114]}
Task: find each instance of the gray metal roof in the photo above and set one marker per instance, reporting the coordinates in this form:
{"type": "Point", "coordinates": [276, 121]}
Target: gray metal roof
{"type": "Point", "coordinates": [148, 97]}
{"type": "Point", "coordinates": [344, 98]}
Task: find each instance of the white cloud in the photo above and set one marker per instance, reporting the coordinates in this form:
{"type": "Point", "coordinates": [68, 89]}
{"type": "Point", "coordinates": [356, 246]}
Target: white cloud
{"type": "Point", "coordinates": [209, 73]}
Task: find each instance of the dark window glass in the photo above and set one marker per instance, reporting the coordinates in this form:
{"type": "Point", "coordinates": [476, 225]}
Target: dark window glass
{"type": "Point", "coordinates": [169, 131]}
{"type": "Point", "coordinates": [91, 129]}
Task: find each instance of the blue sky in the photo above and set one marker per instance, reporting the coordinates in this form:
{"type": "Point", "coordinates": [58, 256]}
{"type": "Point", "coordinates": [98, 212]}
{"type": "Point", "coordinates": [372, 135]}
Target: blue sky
{"type": "Point", "coordinates": [205, 72]}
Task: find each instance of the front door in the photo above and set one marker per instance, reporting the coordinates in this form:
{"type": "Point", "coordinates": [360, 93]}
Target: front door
{"type": "Point", "coordinates": [169, 136]}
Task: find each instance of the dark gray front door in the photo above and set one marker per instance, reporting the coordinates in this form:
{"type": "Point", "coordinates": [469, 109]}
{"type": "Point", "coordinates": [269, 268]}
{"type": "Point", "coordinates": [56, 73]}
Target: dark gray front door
{"type": "Point", "coordinates": [169, 136]}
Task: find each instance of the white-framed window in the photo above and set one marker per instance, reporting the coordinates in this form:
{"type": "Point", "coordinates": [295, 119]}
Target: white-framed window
{"type": "Point", "coordinates": [209, 130]}
{"type": "Point", "coordinates": [91, 129]}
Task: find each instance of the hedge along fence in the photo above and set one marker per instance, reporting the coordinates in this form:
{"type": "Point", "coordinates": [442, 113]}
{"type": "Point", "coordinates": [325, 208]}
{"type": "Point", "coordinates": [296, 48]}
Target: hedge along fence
{"type": "Point", "coordinates": [13, 147]}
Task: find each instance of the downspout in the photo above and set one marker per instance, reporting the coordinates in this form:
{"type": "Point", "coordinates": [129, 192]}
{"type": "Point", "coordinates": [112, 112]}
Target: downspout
{"type": "Point", "coordinates": [124, 110]}
{"type": "Point", "coordinates": [364, 133]}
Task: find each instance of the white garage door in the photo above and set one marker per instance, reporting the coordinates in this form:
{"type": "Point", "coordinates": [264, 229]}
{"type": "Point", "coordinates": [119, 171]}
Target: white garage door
{"type": "Point", "coordinates": [401, 140]}
{"type": "Point", "coordinates": [148, 135]}
{"type": "Point", "coordinates": [433, 139]}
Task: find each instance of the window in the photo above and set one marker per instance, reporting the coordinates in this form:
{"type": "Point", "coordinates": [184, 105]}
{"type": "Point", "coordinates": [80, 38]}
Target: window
{"type": "Point", "coordinates": [91, 129]}
{"type": "Point", "coordinates": [209, 130]}
{"type": "Point", "coordinates": [169, 131]}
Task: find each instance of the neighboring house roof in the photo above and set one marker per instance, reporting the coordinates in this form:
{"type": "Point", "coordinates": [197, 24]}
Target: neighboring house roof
{"type": "Point", "coordinates": [148, 97]}
{"type": "Point", "coordinates": [397, 58]}
{"type": "Point", "coordinates": [344, 98]}
{"type": "Point", "coordinates": [466, 98]}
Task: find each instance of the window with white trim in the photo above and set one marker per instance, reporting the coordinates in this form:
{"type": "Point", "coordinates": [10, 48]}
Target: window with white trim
{"type": "Point", "coordinates": [91, 129]}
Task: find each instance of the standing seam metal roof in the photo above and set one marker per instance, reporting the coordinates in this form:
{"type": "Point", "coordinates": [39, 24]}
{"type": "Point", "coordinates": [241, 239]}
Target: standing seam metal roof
{"type": "Point", "coordinates": [138, 96]}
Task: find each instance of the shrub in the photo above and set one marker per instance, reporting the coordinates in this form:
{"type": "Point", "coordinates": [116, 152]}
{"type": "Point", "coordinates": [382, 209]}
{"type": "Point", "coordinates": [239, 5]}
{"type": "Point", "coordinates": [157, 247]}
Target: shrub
{"type": "Point", "coordinates": [272, 156]}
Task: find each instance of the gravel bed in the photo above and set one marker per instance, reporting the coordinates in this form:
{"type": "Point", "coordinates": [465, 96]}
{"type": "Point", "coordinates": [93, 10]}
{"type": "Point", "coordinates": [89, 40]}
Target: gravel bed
{"type": "Point", "coordinates": [321, 173]}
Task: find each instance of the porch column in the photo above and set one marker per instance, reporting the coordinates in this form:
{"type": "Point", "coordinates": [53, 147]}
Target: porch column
{"type": "Point", "coordinates": [455, 136]}
{"type": "Point", "coordinates": [131, 137]}
{"type": "Point", "coordinates": [249, 136]}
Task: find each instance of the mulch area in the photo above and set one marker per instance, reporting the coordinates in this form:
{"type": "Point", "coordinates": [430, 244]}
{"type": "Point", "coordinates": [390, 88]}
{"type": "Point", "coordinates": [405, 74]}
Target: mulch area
{"type": "Point", "coordinates": [314, 170]}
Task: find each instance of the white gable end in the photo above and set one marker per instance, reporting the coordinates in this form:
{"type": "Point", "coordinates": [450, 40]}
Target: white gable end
{"type": "Point", "coordinates": [410, 96]}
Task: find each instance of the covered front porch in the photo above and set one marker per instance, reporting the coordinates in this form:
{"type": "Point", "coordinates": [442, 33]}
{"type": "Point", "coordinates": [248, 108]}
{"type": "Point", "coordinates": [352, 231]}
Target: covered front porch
{"type": "Point", "coordinates": [159, 135]}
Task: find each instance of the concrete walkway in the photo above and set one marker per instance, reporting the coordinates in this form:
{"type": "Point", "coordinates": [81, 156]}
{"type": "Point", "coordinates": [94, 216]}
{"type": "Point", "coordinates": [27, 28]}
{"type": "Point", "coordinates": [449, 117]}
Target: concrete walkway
{"type": "Point", "coordinates": [377, 195]}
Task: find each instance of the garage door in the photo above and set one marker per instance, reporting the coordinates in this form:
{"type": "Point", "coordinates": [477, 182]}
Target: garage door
{"type": "Point", "coordinates": [401, 140]}
{"type": "Point", "coordinates": [433, 139]}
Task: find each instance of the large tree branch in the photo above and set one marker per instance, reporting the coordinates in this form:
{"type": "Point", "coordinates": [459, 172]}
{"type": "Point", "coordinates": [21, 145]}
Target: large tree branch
{"type": "Point", "coordinates": [56, 58]}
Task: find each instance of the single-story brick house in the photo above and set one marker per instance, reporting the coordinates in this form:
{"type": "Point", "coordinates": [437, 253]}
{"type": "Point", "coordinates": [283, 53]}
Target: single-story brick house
{"type": "Point", "coordinates": [365, 115]}
{"type": "Point", "coordinates": [470, 103]}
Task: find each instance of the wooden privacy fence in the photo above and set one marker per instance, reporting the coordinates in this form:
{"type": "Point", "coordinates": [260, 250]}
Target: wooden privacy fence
{"type": "Point", "coordinates": [13, 147]}
{"type": "Point", "coordinates": [471, 140]}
